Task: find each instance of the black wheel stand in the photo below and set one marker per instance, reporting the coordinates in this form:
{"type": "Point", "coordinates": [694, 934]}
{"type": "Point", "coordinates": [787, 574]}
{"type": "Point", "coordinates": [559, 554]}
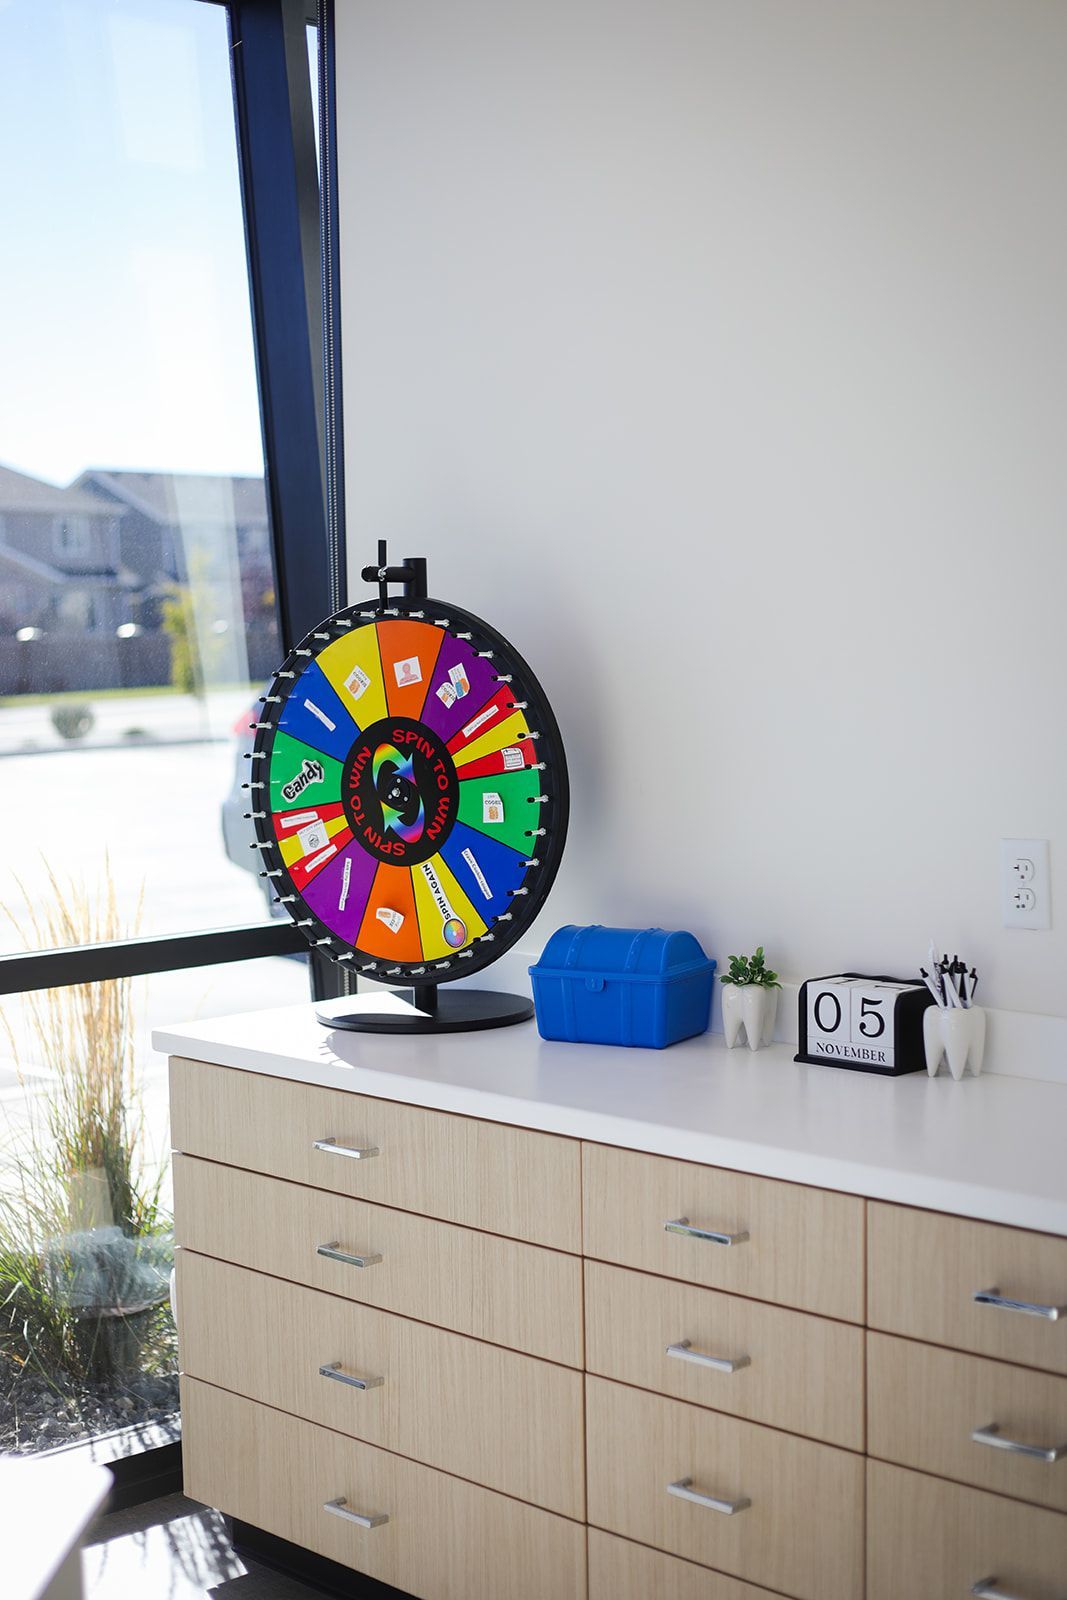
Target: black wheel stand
{"type": "Point", "coordinates": [431, 1008]}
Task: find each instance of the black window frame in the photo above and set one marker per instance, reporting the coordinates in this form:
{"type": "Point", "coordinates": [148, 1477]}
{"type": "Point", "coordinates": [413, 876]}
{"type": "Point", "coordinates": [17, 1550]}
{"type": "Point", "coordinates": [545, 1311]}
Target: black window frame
{"type": "Point", "coordinates": [290, 236]}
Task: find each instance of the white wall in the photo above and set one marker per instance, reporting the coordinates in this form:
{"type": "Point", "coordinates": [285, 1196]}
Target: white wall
{"type": "Point", "coordinates": [715, 351]}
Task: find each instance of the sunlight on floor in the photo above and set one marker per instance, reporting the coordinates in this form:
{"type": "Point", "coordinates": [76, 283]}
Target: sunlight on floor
{"type": "Point", "coordinates": [174, 1549]}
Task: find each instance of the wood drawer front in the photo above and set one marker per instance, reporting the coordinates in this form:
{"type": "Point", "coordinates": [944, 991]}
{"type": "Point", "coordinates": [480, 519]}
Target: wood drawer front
{"type": "Point", "coordinates": [931, 1540]}
{"type": "Point", "coordinates": [501, 1419]}
{"type": "Point", "coordinates": [924, 1404]}
{"type": "Point", "coordinates": [519, 1295]}
{"type": "Point", "coordinates": [804, 1246]}
{"type": "Point", "coordinates": [622, 1570]}
{"type": "Point", "coordinates": [805, 1374]}
{"type": "Point", "coordinates": [485, 1175]}
{"type": "Point", "coordinates": [802, 1534]}
{"type": "Point", "coordinates": [925, 1269]}
{"type": "Point", "coordinates": [445, 1539]}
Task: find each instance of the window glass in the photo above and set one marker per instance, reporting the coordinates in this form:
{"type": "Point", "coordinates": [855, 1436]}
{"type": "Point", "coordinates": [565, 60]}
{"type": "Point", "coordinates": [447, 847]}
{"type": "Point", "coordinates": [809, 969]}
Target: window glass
{"type": "Point", "coordinates": [137, 627]}
{"type": "Point", "coordinates": [137, 598]}
{"type": "Point", "coordinates": [87, 1340]}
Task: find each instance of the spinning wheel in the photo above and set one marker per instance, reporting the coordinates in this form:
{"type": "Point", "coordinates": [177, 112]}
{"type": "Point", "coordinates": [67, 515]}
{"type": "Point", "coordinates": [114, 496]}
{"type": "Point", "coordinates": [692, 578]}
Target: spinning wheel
{"type": "Point", "coordinates": [410, 801]}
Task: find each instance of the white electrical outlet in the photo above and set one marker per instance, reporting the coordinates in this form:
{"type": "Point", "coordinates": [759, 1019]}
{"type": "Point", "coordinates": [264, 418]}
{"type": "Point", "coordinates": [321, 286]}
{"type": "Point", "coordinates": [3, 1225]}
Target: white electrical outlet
{"type": "Point", "coordinates": [1025, 883]}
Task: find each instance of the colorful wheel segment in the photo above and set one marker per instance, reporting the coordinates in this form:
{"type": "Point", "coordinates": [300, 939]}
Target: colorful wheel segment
{"type": "Point", "coordinates": [412, 791]}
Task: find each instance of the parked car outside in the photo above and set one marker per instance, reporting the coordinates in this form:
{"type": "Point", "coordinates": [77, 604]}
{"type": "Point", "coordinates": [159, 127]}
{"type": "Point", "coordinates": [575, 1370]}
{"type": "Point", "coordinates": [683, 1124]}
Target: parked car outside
{"type": "Point", "coordinates": [238, 834]}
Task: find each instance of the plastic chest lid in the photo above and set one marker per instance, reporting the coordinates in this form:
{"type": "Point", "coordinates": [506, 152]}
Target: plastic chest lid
{"type": "Point", "coordinates": [634, 952]}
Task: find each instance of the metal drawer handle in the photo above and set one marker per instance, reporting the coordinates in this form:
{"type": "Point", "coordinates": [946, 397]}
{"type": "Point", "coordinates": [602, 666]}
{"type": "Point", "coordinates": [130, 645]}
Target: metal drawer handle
{"type": "Point", "coordinates": [685, 1491]}
{"type": "Point", "coordinates": [683, 1226]}
{"type": "Point", "coordinates": [339, 1508]}
{"type": "Point", "coordinates": [993, 1436]}
{"type": "Point", "coordinates": [333, 1370]}
{"type": "Point", "coordinates": [989, 1589]}
{"type": "Point", "coordinates": [332, 1148]}
{"type": "Point", "coordinates": [993, 1297]}
{"type": "Point", "coordinates": [685, 1352]}
{"type": "Point", "coordinates": [335, 1253]}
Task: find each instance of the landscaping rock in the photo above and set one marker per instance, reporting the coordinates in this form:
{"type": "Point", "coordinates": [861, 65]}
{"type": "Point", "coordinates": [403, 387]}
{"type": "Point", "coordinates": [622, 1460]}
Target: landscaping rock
{"type": "Point", "coordinates": [30, 1420]}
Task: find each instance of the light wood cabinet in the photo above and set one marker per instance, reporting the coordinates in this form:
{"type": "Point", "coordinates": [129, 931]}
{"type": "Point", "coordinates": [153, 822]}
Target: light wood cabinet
{"type": "Point", "coordinates": [791, 1370]}
{"type": "Point", "coordinates": [443, 1539]}
{"type": "Point", "coordinates": [925, 1270]}
{"type": "Point", "coordinates": [792, 1245]}
{"type": "Point", "coordinates": [622, 1570]}
{"type": "Point", "coordinates": [518, 1295]}
{"type": "Point", "coordinates": [931, 1540]}
{"type": "Point", "coordinates": [435, 1396]}
{"type": "Point", "coordinates": [925, 1404]}
{"type": "Point", "coordinates": [474, 1361]}
{"type": "Point", "coordinates": [504, 1180]}
{"type": "Point", "coordinates": [798, 1522]}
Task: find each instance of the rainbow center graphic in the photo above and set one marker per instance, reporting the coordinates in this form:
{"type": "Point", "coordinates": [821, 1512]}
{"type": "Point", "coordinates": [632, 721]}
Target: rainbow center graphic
{"type": "Point", "coordinates": [396, 788]}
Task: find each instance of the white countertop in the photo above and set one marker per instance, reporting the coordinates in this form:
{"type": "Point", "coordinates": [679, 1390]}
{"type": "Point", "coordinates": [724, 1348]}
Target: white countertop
{"type": "Point", "coordinates": [989, 1147]}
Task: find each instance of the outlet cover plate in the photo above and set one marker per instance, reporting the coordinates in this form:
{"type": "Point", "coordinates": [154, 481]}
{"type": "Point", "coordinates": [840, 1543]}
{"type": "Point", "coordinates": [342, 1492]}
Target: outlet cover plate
{"type": "Point", "coordinates": [1024, 865]}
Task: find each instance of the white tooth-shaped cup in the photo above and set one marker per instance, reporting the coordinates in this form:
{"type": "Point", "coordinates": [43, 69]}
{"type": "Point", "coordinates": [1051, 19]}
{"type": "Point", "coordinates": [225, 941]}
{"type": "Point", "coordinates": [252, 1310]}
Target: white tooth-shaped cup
{"type": "Point", "coordinates": [748, 1010]}
{"type": "Point", "coordinates": [759, 1007]}
{"type": "Point", "coordinates": [955, 1035]}
{"type": "Point", "coordinates": [732, 1020]}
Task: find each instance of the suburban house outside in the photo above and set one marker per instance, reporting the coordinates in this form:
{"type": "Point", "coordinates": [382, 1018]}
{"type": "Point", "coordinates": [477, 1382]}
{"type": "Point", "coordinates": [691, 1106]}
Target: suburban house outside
{"type": "Point", "coordinates": [60, 561]}
{"type": "Point", "coordinates": [86, 573]}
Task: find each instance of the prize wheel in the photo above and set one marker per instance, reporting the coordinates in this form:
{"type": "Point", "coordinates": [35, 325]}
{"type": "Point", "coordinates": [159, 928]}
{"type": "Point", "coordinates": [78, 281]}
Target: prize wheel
{"type": "Point", "coordinates": [411, 802]}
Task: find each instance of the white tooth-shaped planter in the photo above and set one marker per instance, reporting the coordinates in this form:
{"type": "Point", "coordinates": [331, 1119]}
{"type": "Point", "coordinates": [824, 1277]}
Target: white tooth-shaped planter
{"type": "Point", "coordinates": [748, 1008]}
{"type": "Point", "coordinates": [955, 1036]}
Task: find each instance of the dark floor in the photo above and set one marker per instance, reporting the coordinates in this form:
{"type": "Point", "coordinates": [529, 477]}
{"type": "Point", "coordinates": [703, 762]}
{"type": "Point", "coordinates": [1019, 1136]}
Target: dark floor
{"type": "Point", "coordinates": [173, 1549]}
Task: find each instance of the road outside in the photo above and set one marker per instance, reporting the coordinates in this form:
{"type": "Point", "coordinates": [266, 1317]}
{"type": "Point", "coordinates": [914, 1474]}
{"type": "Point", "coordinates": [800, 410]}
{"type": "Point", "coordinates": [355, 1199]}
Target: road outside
{"type": "Point", "coordinates": [148, 811]}
{"type": "Point", "coordinates": [130, 718]}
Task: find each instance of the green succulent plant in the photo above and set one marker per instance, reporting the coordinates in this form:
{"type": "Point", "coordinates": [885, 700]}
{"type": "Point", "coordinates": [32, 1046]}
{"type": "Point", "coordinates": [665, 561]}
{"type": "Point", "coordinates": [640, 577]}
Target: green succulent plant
{"type": "Point", "coordinates": [751, 970]}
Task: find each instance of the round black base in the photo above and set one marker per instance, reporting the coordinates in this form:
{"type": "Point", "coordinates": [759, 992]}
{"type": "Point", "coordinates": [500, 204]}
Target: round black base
{"type": "Point", "coordinates": [440, 1010]}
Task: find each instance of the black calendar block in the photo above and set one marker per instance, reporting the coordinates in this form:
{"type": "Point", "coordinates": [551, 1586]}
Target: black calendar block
{"type": "Point", "coordinates": [862, 1023]}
